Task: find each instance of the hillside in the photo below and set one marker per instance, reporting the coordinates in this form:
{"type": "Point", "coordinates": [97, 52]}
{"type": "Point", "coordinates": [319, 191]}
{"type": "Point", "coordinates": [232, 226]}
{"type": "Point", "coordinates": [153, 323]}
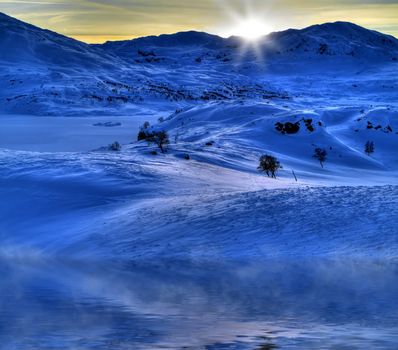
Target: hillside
{"type": "Point", "coordinates": [51, 74]}
{"type": "Point", "coordinates": [23, 45]}
{"type": "Point", "coordinates": [330, 39]}
{"type": "Point", "coordinates": [213, 204]}
{"type": "Point", "coordinates": [335, 39]}
{"type": "Point", "coordinates": [223, 108]}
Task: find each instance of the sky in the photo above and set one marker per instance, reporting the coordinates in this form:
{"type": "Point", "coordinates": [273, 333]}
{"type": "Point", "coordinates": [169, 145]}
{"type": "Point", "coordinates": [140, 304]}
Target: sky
{"type": "Point", "coordinates": [96, 21]}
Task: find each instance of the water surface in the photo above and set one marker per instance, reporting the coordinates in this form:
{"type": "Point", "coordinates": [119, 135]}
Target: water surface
{"type": "Point", "coordinates": [67, 134]}
{"type": "Point", "coordinates": [268, 305]}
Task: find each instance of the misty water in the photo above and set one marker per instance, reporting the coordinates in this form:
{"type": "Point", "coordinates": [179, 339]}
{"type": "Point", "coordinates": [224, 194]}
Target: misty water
{"type": "Point", "coordinates": [52, 304]}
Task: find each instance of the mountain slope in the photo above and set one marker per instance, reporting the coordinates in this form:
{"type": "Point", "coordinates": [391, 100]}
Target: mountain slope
{"type": "Point", "coordinates": [182, 39]}
{"type": "Point", "coordinates": [45, 73]}
{"type": "Point", "coordinates": [335, 39]}
{"type": "Point", "coordinates": [25, 44]}
{"type": "Point", "coordinates": [329, 39]}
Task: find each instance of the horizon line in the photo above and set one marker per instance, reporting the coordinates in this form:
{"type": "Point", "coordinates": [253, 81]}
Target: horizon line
{"type": "Point", "coordinates": [79, 37]}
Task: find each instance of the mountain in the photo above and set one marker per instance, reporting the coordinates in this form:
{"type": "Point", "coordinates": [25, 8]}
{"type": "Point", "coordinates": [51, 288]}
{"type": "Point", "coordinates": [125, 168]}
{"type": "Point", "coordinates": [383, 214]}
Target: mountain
{"type": "Point", "coordinates": [25, 44]}
{"type": "Point", "coordinates": [43, 72]}
{"type": "Point", "coordinates": [184, 39]}
{"type": "Point", "coordinates": [329, 39]}
{"type": "Point", "coordinates": [334, 39]}
{"type": "Point", "coordinates": [182, 48]}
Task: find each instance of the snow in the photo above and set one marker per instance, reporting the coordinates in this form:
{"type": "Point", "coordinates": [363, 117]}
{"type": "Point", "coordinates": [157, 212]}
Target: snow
{"type": "Point", "coordinates": [222, 112]}
{"type": "Point", "coordinates": [196, 248]}
{"type": "Point", "coordinates": [67, 134]}
{"type": "Point", "coordinates": [56, 75]}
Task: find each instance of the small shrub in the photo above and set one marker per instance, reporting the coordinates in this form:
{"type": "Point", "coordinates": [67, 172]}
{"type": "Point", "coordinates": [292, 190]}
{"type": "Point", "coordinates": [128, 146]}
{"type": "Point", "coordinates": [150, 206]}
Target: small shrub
{"type": "Point", "coordinates": [321, 155]}
{"type": "Point", "coordinates": [308, 124]}
{"type": "Point", "coordinates": [369, 147]}
{"type": "Point", "coordinates": [144, 131]}
{"type": "Point", "coordinates": [146, 53]}
{"type": "Point", "coordinates": [115, 147]}
{"type": "Point", "coordinates": [323, 49]}
{"type": "Point", "coordinates": [270, 165]}
{"type": "Point", "coordinates": [142, 135]}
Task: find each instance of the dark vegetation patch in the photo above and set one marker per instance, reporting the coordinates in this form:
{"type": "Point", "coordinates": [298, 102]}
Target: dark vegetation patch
{"type": "Point", "coordinates": [146, 53]}
{"type": "Point", "coordinates": [387, 129]}
{"type": "Point", "coordinates": [288, 127]}
{"type": "Point", "coordinates": [294, 127]}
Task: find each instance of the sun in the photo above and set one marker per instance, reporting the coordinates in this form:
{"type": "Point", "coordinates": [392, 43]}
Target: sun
{"type": "Point", "coordinates": [250, 28]}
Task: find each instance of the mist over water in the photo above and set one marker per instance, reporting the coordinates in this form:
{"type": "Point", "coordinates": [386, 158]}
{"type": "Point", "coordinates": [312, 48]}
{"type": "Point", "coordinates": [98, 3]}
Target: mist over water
{"type": "Point", "coordinates": [50, 304]}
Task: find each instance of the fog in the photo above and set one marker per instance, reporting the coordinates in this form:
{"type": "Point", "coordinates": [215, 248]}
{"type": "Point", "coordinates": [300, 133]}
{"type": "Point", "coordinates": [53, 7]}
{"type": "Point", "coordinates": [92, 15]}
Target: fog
{"type": "Point", "coordinates": [311, 304]}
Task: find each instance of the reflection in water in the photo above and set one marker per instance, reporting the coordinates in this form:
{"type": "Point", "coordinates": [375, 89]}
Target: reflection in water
{"type": "Point", "coordinates": [272, 305]}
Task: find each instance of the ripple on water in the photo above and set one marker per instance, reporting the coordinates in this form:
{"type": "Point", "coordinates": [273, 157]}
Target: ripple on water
{"type": "Point", "coordinates": [272, 305]}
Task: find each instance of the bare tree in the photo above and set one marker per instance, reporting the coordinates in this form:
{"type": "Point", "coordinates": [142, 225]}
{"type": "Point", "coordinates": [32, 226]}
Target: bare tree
{"type": "Point", "coordinates": [321, 155]}
{"type": "Point", "coordinates": [159, 138]}
{"type": "Point", "coordinates": [369, 147]}
{"type": "Point", "coordinates": [270, 165]}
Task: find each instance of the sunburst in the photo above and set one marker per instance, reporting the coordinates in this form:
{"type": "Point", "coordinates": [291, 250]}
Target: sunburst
{"type": "Point", "coordinates": [250, 28]}
{"type": "Point", "coordinates": [249, 25]}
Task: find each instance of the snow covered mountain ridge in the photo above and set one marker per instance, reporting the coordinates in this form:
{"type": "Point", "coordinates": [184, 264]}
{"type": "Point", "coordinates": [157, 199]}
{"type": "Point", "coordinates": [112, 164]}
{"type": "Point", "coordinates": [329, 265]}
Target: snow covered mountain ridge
{"type": "Point", "coordinates": [42, 72]}
{"type": "Point", "coordinates": [339, 38]}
